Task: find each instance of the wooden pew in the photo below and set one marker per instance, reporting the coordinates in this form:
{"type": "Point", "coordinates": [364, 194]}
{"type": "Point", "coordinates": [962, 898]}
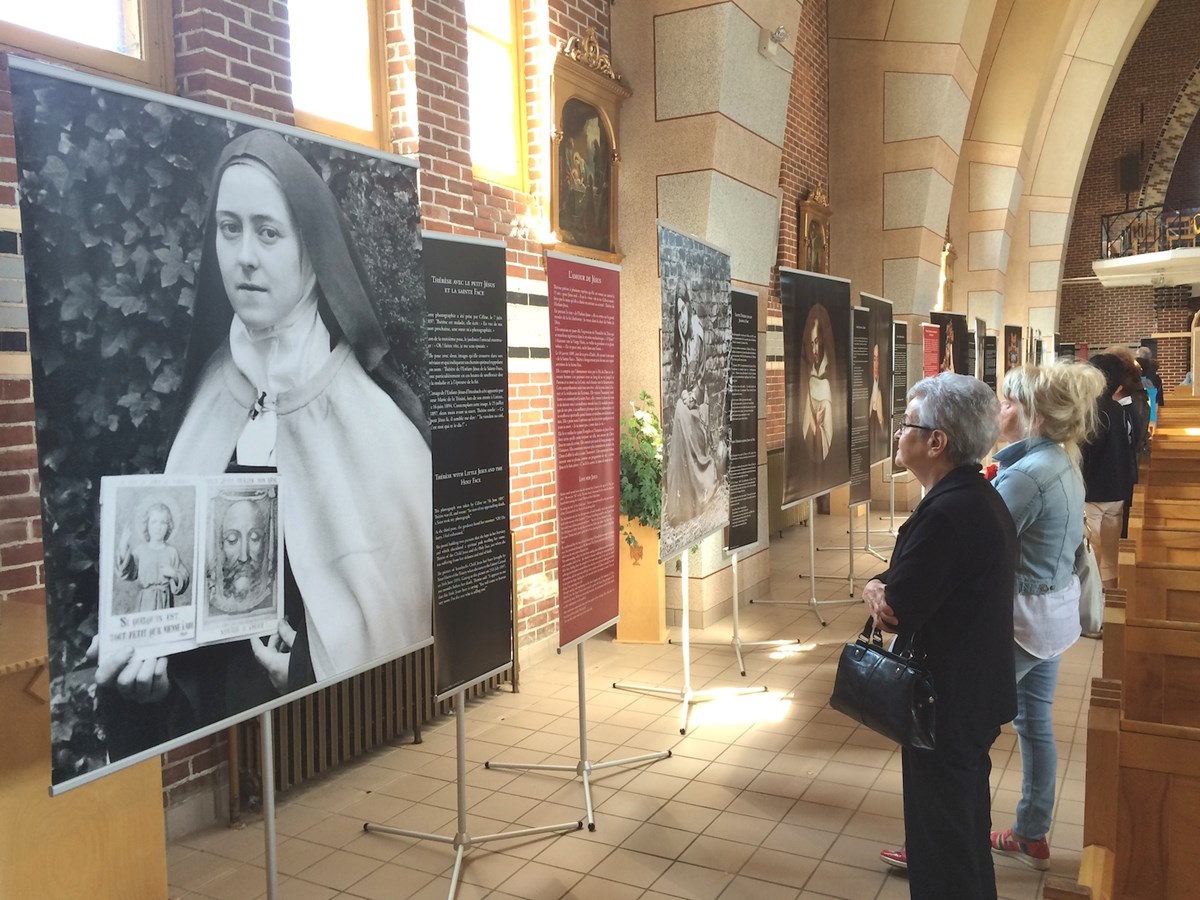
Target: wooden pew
{"type": "Point", "coordinates": [1142, 800]}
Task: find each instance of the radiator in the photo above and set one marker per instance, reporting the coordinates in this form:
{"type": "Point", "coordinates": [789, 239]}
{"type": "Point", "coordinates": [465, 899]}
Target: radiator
{"type": "Point", "coordinates": [345, 720]}
{"type": "Point", "coordinates": [341, 722]}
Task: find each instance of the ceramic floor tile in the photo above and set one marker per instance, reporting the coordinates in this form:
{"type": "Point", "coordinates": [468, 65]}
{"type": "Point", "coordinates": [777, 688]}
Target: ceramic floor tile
{"type": "Point", "coordinates": [578, 856]}
{"type": "Point", "coordinates": [692, 882]}
{"type": "Point", "coordinates": [388, 882]}
{"type": "Point", "coordinates": [717, 853]}
{"type": "Point", "coordinates": [339, 870]}
{"type": "Point", "coordinates": [243, 882]}
{"type": "Point", "coordinates": [659, 841]}
{"type": "Point", "coordinates": [535, 879]}
{"type": "Point", "coordinates": [847, 882]}
{"type": "Point", "coordinates": [684, 816]}
{"type": "Point", "coordinates": [805, 841]}
{"type": "Point", "coordinates": [297, 889]}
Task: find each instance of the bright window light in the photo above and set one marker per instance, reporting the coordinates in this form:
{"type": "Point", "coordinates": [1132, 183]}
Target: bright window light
{"type": "Point", "coordinates": [493, 144]}
{"type": "Point", "coordinates": [331, 61]}
{"type": "Point", "coordinates": [106, 24]}
{"type": "Point", "coordinates": [496, 91]}
{"type": "Point", "coordinates": [729, 706]}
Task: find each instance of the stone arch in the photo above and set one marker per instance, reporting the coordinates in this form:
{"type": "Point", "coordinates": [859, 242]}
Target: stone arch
{"type": "Point", "coordinates": [1170, 140]}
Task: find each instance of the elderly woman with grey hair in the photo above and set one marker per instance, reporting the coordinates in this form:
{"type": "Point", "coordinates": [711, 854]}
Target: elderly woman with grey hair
{"type": "Point", "coordinates": [950, 585]}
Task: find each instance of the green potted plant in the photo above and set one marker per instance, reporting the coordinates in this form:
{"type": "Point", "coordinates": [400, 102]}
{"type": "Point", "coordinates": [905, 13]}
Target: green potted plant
{"type": "Point", "coordinates": [643, 583]}
{"type": "Point", "coordinates": [641, 470]}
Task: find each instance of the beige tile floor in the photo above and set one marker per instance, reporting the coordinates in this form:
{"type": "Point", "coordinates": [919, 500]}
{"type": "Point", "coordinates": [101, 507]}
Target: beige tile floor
{"type": "Point", "coordinates": [767, 796]}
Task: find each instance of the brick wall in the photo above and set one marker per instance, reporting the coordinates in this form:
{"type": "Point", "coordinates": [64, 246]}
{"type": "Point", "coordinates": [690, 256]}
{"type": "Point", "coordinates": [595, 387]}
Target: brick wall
{"type": "Point", "coordinates": [1159, 65]}
{"type": "Point", "coordinates": [21, 570]}
{"type": "Point", "coordinates": [805, 164]}
{"type": "Point", "coordinates": [235, 54]}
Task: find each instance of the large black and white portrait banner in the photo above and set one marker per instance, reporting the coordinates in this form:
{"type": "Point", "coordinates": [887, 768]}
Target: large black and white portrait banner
{"type": "Point", "coordinates": [696, 339]}
{"type": "Point", "coordinates": [212, 295]}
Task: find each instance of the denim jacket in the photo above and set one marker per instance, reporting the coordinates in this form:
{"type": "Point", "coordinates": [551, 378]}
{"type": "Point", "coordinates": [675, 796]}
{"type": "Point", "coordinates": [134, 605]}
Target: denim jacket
{"type": "Point", "coordinates": [1044, 495]}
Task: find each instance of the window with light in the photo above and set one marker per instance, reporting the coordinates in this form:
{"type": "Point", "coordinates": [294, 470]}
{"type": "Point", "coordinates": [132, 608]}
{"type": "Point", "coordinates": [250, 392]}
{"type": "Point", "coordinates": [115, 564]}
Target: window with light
{"type": "Point", "coordinates": [497, 96]}
{"type": "Point", "coordinates": [127, 39]}
{"type": "Point", "coordinates": [337, 63]}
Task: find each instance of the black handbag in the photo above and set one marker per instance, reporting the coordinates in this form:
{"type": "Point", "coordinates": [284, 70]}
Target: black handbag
{"type": "Point", "coordinates": [886, 690]}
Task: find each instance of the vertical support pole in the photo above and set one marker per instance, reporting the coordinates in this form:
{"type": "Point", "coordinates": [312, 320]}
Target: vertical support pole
{"type": "Point", "coordinates": [267, 744]}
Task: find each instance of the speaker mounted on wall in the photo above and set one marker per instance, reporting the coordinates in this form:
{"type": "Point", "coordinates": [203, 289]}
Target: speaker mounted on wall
{"type": "Point", "coordinates": [1129, 174]}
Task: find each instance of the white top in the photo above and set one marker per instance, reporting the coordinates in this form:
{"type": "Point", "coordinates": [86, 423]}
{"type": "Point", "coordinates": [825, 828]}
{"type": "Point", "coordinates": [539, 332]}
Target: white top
{"type": "Point", "coordinates": [1045, 625]}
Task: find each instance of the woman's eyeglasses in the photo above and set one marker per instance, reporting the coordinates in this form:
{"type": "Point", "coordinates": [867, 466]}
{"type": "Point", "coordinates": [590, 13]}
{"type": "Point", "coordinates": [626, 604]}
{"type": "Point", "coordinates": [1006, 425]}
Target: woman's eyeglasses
{"type": "Point", "coordinates": [904, 425]}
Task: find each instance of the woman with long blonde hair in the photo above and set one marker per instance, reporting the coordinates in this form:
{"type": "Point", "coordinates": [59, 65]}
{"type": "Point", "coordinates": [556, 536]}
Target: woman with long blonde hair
{"type": "Point", "coordinates": [1045, 414]}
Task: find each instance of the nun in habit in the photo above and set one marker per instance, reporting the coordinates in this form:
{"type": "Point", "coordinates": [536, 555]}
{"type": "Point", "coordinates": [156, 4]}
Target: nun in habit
{"type": "Point", "coordinates": [288, 370]}
{"type": "Point", "coordinates": [691, 470]}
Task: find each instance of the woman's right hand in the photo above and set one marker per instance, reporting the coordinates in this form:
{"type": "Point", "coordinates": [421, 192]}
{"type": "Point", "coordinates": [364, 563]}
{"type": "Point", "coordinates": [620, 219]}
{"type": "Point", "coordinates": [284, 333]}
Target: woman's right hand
{"type": "Point", "coordinates": [875, 596]}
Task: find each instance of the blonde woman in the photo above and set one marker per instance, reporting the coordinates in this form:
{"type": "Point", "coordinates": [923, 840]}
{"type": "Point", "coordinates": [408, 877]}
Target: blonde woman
{"type": "Point", "coordinates": [1045, 414]}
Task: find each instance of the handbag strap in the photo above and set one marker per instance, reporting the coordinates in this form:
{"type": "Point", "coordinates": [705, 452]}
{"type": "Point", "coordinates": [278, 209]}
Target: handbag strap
{"type": "Point", "coordinates": [904, 646]}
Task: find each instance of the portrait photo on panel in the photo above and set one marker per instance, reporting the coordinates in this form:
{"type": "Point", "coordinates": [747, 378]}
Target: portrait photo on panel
{"type": "Point", "coordinates": [697, 335]}
{"type": "Point", "coordinates": [243, 590]}
{"type": "Point", "coordinates": [816, 313]}
{"type": "Point", "coordinates": [952, 342]}
{"type": "Point", "coordinates": [210, 297]}
{"type": "Point", "coordinates": [879, 402]}
{"type": "Point", "coordinates": [1012, 347]}
{"type": "Point", "coordinates": [149, 552]}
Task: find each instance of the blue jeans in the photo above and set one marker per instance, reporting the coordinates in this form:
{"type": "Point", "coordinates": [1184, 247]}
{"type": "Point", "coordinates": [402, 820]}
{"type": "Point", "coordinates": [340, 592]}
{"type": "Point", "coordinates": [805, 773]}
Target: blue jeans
{"type": "Point", "coordinates": [1036, 680]}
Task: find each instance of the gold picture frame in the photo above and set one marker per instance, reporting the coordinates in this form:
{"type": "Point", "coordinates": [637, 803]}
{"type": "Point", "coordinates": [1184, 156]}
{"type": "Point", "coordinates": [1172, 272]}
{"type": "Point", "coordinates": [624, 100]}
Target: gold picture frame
{"type": "Point", "coordinates": [585, 96]}
{"type": "Point", "coordinates": [812, 236]}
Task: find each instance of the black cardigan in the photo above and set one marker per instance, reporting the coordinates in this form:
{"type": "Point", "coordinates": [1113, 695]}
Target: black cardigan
{"type": "Point", "coordinates": [1109, 466]}
{"type": "Point", "coordinates": [951, 583]}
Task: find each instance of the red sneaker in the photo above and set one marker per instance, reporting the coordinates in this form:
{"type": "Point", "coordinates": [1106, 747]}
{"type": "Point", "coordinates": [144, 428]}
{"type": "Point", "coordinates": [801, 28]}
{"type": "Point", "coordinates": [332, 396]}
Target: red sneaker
{"type": "Point", "coordinates": [1035, 854]}
{"type": "Point", "coordinates": [897, 859]}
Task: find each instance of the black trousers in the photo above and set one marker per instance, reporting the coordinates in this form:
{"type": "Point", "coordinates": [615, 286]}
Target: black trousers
{"type": "Point", "coordinates": [948, 819]}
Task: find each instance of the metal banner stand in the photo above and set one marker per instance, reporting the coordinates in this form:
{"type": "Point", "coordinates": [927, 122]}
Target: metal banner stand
{"type": "Point", "coordinates": [687, 695]}
{"type": "Point", "coordinates": [463, 840]}
{"type": "Point", "coordinates": [266, 737]}
{"type": "Point", "coordinates": [866, 548]}
{"type": "Point", "coordinates": [736, 641]}
{"type": "Point", "coordinates": [812, 570]}
{"type": "Point", "coordinates": [585, 766]}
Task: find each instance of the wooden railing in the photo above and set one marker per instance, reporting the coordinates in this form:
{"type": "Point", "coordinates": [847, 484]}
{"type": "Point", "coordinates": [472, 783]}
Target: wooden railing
{"type": "Point", "coordinates": [1148, 229]}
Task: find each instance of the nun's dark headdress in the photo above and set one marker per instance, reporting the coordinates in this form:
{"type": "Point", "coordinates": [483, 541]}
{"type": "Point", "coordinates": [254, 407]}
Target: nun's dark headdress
{"type": "Point", "coordinates": [344, 302]}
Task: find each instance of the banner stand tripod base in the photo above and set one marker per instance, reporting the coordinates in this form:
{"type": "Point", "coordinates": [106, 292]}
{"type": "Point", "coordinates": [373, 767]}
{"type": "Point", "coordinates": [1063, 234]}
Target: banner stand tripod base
{"type": "Point", "coordinates": [686, 695]}
{"type": "Point", "coordinates": [463, 840]}
{"type": "Point", "coordinates": [817, 604]}
{"type": "Point", "coordinates": [736, 641]}
{"type": "Point", "coordinates": [737, 644]}
{"type": "Point", "coordinates": [585, 767]}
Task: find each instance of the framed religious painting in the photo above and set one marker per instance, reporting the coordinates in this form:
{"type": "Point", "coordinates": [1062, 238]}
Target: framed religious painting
{"type": "Point", "coordinates": [586, 95]}
{"type": "Point", "coordinates": [813, 232]}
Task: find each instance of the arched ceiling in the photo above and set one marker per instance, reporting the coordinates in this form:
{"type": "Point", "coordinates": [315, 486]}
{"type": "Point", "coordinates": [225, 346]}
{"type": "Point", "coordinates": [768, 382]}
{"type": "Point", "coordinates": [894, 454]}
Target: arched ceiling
{"type": "Point", "coordinates": [1038, 74]}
